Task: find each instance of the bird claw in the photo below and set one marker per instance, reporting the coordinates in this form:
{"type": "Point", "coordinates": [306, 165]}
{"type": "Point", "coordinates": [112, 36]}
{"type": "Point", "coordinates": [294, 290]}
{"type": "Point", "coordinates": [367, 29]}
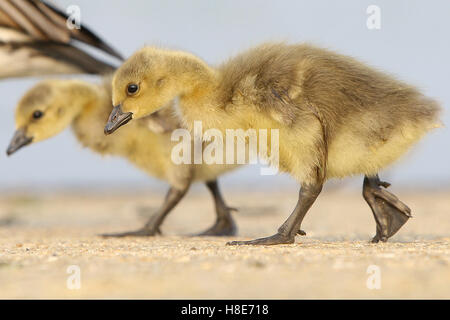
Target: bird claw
{"type": "Point", "coordinates": [144, 232]}
{"type": "Point", "coordinates": [221, 228]}
{"type": "Point", "coordinates": [277, 238]}
{"type": "Point", "coordinates": [384, 184]}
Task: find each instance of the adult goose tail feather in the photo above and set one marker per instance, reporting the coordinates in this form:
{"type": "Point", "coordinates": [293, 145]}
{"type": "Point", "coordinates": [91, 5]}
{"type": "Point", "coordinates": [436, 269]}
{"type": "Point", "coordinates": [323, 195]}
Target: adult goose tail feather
{"type": "Point", "coordinates": [47, 58]}
{"type": "Point", "coordinates": [35, 40]}
{"type": "Point", "coordinates": [84, 34]}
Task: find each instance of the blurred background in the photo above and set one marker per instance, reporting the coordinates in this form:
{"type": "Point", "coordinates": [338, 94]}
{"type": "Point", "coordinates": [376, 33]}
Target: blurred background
{"type": "Point", "coordinates": [56, 197]}
{"type": "Point", "coordinates": [412, 44]}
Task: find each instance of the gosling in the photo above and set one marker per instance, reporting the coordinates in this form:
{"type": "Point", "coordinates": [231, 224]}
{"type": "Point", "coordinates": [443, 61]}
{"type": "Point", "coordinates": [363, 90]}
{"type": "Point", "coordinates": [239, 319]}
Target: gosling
{"type": "Point", "coordinates": [35, 40]}
{"type": "Point", "coordinates": [336, 116]}
{"type": "Point", "coordinates": [52, 105]}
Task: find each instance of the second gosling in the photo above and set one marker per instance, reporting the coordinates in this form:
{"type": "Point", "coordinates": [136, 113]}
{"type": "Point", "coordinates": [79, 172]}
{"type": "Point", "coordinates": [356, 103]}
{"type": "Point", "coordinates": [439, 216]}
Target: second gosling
{"type": "Point", "coordinates": [53, 105]}
{"type": "Point", "coordinates": [336, 116]}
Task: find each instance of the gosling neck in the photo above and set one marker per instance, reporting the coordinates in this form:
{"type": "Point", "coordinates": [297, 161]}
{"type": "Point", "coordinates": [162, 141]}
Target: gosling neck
{"type": "Point", "coordinates": [94, 105]}
{"type": "Point", "coordinates": [194, 77]}
{"type": "Point", "coordinates": [198, 89]}
{"type": "Point", "coordinates": [200, 94]}
{"type": "Point", "coordinates": [82, 97]}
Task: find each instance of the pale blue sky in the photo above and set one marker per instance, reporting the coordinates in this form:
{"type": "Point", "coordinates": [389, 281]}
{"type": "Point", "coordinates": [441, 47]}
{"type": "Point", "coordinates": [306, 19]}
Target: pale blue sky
{"type": "Point", "coordinates": [412, 44]}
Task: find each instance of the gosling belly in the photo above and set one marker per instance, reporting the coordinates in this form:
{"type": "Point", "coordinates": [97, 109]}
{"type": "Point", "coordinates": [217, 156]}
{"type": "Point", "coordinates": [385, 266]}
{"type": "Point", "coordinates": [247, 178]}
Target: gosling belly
{"type": "Point", "coordinates": [352, 154]}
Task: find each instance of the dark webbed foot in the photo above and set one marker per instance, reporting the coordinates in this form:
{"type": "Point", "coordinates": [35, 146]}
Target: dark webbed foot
{"type": "Point", "coordinates": [301, 233]}
{"type": "Point", "coordinates": [152, 227]}
{"type": "Point", "coordinates": [277, 238]}
{"type": "Point", "coordinates": [377, 239]}
{"type": "Point", "coordinates": [224, 225]}
{"type": "Point", "coordinates": [221, 228]}
{"type": "Point", "coordinates": [144, 232]}
{"type": "Point", "coordinates": [393, 201]}
{"type": "Point", "coordinates": [391, 218]}
{"type": "Point", "coordinates": [287, 231]}
{"type": "Point", "coordinates": [389, 212]}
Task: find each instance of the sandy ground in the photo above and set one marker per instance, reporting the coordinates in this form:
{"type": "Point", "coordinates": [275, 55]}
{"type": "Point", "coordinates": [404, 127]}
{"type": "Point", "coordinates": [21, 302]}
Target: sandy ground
{"type": "Point", "coordinates": [42, 236]}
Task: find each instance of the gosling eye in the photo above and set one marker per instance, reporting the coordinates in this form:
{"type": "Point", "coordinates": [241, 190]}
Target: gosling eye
{"type": "Point", "coordinates": [37, 114]}
{"type": "Point", "coordinates": [132, 88]}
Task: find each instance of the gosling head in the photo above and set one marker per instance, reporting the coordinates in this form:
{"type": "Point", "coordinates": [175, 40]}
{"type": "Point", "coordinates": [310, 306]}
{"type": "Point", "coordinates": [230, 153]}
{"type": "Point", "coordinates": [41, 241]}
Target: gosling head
{"type": "Point", "coordinates": [148, 80]}
{"type": "Point", "coordinates": [43, 112]}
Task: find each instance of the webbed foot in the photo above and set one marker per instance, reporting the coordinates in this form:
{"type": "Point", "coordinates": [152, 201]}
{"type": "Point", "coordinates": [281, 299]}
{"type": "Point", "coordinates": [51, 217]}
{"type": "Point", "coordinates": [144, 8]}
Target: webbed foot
{"type": "Point", "coordinates": [277, 238]}
{"type": "Point", "coordinates": [221, 228]}
{"type": "Point", "coordinates": [144, 232]}
{"type": "Point", "coordinates": [390, 213]}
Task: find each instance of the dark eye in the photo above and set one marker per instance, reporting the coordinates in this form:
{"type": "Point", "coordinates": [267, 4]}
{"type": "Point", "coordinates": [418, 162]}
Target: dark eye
{"type": "Point", "coordinates": [37, 114]}
{"type": "Point", "coordinates": [132, 88]}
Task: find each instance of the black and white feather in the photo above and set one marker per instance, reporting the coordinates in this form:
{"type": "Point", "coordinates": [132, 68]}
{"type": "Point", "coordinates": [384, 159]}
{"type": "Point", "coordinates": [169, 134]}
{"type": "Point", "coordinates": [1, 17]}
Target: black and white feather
{"type": "Point", "coordinates": [35, 40]}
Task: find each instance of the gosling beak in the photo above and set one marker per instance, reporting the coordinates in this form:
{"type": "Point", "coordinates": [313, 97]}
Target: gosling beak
{"type": "Point", "coordinates": [117, 119]}
{"type": "Point", "coordinates": [18, 141]}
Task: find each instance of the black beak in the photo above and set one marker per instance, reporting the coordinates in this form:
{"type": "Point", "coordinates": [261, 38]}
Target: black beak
{"type": "Point", "coordinates": [117, 119]}
{"type": "Point", "coordinates": [18, 141]}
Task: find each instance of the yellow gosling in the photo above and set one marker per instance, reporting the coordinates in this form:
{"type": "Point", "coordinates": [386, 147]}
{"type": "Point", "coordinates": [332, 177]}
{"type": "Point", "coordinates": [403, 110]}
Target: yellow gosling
{"type": "Point", "coordinates": [336, 116]}
{"type": "Point", "coordinates": [52, 105]}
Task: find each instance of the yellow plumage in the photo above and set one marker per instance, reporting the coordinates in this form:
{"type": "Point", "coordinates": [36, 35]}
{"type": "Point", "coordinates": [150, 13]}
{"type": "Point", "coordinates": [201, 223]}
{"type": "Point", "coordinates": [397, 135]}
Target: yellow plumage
{"type": "Point", "coordinates": [85, 106]}
{"type": "Point", "coordinates": [371, 119]}
{"type": "Point", "coordinates": [336, 116]}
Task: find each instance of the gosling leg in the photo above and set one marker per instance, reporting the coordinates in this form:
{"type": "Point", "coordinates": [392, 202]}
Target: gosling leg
{"type": "Point", "coordinates": [224, 225]}
{"type": "Point", "coordinates": [389, 212]}
{"type": "Point", "coordinates": [286, 233]}
{"type": "Point", "coordinates": [152, 227]}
